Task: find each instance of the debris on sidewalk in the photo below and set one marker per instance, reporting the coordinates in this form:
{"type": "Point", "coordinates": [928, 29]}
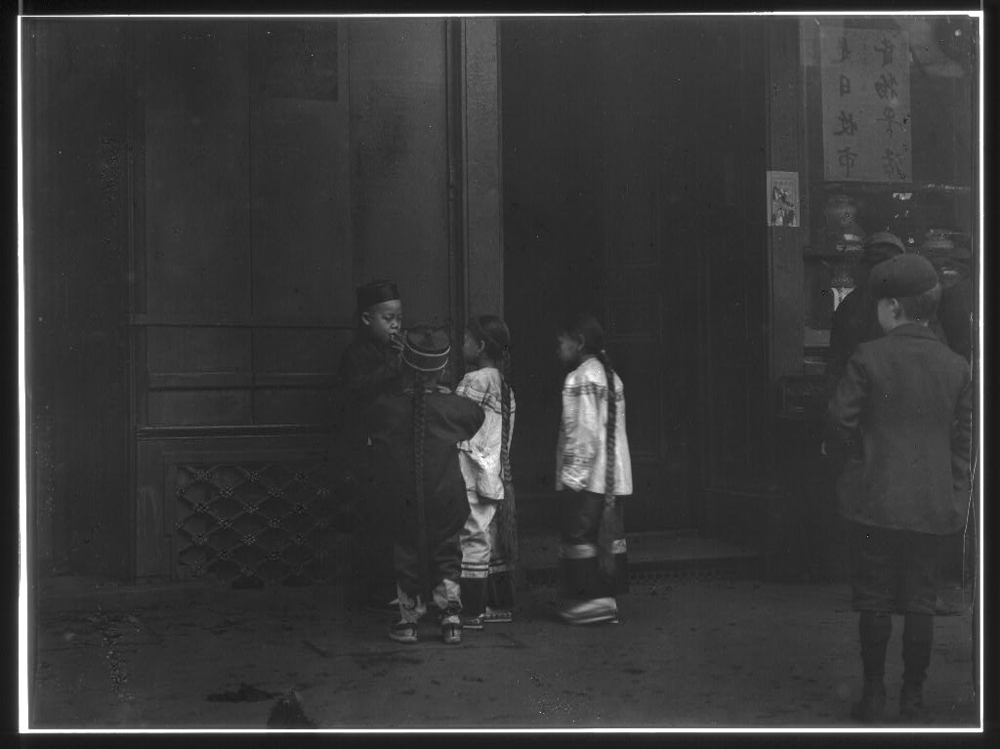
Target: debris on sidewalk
{"type": "Point", "coordinates": [287, 712]}
{"type": "Point", "coordinates": [246, 693]}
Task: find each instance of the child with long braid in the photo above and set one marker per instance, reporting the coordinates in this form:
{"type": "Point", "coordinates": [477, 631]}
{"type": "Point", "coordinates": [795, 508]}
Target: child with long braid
{"type": "Point", "coordinates": [489, 539]}
{"type": "Point", "coordinates": [415, 435]}
{"type": "Point", "coordinates": [593, 463]}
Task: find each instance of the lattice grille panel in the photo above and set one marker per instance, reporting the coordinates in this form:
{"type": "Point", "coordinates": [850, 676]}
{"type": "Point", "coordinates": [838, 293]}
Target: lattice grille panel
{"type": "Point", "coordinates": [262, 523]}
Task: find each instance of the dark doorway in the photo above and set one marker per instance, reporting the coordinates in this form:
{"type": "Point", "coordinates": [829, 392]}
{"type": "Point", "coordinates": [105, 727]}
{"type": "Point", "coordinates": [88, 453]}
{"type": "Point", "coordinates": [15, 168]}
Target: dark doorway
{"type": "Point", "coordinates": [633, 164]}
{"type": "Point", "coordinates": [77, 230]}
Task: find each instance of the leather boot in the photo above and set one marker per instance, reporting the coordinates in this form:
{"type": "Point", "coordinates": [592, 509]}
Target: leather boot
{"type": "Point", "coordinates": [911, 704]}
{"type": "Point", "coordinates": [917, 640]}
{"type": "Point", "coordinates": [874, 629]}
{"type": "Point", "coordinates": [473, 601]}
{"type": "Point", "coordinates": [871, 707]}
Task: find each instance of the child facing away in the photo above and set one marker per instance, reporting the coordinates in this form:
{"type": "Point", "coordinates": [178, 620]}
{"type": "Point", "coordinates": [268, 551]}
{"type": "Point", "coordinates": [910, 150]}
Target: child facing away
{"type": "Point", "coordinates": [489, 538]}
{"type": "Point", "coordinates": [900, 422]}
{"type": "Point", "coordinates": [593, 463]}
{"type": "Point", "coordinates": [369, 367]}
{"type": "Point", "coordinates": [415, 434]}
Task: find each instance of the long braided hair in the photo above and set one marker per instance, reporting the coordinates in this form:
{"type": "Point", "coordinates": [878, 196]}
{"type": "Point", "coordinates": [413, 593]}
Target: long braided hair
{"type": "Point", "coordinates": [419, 432]}
{"type": "Point", "coordinates": [586, 328]}
{"type": "Point", "coordinates": [423, 359]}
{"type": "Point", "coordinates": [495, 335]}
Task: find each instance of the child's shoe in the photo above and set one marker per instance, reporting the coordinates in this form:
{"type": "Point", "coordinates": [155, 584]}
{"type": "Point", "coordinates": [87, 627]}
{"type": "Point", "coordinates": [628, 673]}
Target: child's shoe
{"type": "Point", "coordinates": [451, 629]}
{"type": "Point", "coordinates": [590, 612]}
{"type": "Point", "coordinates": [871, 707]}
{"type": "Point", "coordinates": [911, 704]}
{"type": "Point", "coordinates": [473, 622]}
{"type": "Point", "coordinates": [403, 632]}
{"type": "Point", "coordinates": [497, 616]}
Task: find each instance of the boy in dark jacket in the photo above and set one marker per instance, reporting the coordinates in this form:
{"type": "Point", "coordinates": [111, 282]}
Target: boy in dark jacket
{"type": "Point", "coordinates": [415, 434]}
{"type": "Point", "coordinates": [369, 367]}
{"type": "Point", "coordinates": [901, 421]}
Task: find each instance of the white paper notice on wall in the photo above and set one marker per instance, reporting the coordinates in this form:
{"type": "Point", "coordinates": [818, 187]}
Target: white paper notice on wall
{"type": "Point", "coordinates": [866, 105]}
{"type": "Point", "coordinates": [783, 199]}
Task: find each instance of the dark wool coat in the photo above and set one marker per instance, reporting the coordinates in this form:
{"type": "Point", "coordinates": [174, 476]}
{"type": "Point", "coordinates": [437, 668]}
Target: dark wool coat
{"type": "Point", "coordinates": [902, 418]}
{"type": "Point", "coordinates": [368, 369]}
{"type": "Point", "coordinates": [854, 321]}
{"type": "Point", "coordinates": [450, 419]}
{"type": "Point", "coordinates": [955, 317]}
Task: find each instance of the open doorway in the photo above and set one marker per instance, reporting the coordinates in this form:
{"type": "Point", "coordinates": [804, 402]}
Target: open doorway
{"type": "Point", "coordinates": [633, 159]}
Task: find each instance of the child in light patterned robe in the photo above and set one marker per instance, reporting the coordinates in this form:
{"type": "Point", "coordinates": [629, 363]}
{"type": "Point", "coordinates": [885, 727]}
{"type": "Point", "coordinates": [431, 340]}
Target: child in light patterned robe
{"type": "Point", "coordinates": [489, 537]}
{"type": "Point", "coordinates": [594, 465]}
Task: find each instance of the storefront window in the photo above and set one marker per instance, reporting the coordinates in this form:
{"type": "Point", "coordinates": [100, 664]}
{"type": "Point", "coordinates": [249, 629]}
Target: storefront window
{"type": "Point", "coordinates": [890, 114]}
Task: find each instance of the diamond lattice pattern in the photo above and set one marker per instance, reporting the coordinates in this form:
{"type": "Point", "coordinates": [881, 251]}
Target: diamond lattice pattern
{"type": "Point", "coordinates": [263, 522]}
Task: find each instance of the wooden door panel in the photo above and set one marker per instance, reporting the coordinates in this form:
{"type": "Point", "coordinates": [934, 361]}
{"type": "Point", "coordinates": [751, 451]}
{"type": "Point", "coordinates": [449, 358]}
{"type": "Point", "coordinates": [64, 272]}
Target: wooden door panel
{"type": "Point", "coordinates": [299, 349]}
{"type": "Point", "coordinates": [197, 151]}
{"type": "Point", "coordinates": [200, 407]}
{"type": "Point", "coordinates": [76, 213]}
{"type": "Point", "coordinates": [302, 260]}
{"type": "Point", "coordinates": [638, 364]}
{"type": "Point", "coordinates": [399, 160]}
{"type": "Point", "coordinates": [197, 349]}
{"type": "Point", "coordinates": [635, 260]}
{"type": "Point", "coordinates": [294, 404]}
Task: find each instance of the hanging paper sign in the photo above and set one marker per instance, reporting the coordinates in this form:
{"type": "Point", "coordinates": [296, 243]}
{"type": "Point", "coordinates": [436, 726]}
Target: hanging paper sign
{"type": "Point", "coordinates": [866, 105]}
{"type": "Point", "coordinates": [783, 199]}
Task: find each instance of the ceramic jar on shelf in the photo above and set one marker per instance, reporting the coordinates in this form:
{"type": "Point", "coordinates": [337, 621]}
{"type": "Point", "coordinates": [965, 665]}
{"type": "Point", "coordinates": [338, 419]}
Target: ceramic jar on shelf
{"type": "Point", "coordinates": [841, 232]}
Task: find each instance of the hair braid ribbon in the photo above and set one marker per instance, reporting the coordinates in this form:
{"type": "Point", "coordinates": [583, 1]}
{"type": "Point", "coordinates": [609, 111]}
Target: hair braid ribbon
{"type": "Point", "coordinates": [506, 515]}
{"type": "Point", "coordinates": [605, 534]}
{"type": "Point", "coordinates": [419, 432]}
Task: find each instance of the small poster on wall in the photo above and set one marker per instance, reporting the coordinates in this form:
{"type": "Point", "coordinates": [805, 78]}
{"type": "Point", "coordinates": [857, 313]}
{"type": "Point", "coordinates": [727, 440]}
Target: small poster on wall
{"type": "Point", "coordinates": [783, 199]}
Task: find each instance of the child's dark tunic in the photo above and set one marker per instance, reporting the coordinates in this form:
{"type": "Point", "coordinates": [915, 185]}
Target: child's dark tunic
{"type": "Point", "coordinates": [450, 419]}
{"type": "Point", "coordinates": [367, 369]}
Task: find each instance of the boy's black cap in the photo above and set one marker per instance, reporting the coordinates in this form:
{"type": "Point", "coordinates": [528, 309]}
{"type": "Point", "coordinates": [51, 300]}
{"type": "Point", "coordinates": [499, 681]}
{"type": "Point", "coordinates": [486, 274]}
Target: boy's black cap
{"type": "Point", "coordinates": [902, 276]}
{"type": "Point", "coordinates": [376, 292]}
{"type": "Point", "coordinates": [426, 349]}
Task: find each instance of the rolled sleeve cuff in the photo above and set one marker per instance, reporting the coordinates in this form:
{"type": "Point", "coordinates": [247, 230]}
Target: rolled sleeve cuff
{"type": "Point", "coordinates": [574, 474]}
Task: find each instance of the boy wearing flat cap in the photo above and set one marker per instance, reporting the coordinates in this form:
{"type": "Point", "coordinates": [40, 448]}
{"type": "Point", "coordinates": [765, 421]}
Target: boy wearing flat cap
{"type": "Point", "coordinates": [370, 367]}
{"type": "Point", "coordinates": [900, 422]}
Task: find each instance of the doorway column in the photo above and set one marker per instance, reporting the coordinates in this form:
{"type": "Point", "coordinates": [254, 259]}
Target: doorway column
{"type": "Point", "coordinates": [475, 180]}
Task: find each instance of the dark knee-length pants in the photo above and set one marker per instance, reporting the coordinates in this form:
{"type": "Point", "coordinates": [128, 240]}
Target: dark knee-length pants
{"type": "Point", "coordinates": [580, 519]}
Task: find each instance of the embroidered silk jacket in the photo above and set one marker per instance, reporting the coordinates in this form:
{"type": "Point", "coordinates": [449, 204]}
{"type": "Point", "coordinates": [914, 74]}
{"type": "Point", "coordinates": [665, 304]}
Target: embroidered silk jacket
{"type": "Point", "coordinates": [479, 457]}
{"type": "Point", "coordinates": [580, 456]}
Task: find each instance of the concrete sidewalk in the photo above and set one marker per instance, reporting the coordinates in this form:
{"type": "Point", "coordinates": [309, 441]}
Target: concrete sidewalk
{"type": "Point", "coordinates": [651, 556]}
{"type": "Point", "coordinates": [689, 652]}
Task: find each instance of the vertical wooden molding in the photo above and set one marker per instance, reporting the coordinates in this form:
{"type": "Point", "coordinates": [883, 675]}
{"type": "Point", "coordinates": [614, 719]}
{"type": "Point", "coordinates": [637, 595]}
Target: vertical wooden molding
{"type": "Point", "coordinates": [787, 298]}
{"type": "Point", "coordinates": [133, 77]}
{"type": "Point", "coordinates": [455, 108]}
{"type": "Point", "coordinates": [32, 555]}
{"type": "Point", "coordinates": [501, 253]}
{"type": "Point", "coordinates": [344, 97]}
{"type": "Point", "coordinates": [353, 181]}
{"type": "Point", "coordinates": [483, 193]}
